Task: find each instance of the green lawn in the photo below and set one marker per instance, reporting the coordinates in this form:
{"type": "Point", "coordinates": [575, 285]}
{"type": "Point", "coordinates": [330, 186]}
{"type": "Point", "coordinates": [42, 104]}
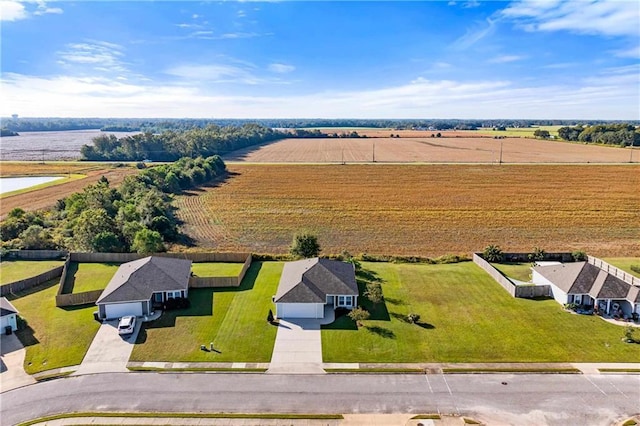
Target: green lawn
{"type": "Point", "coordinates": [14, 270]}
{"type": "Point", "coordinates": [518, 271]}
{"type": "Point", "coordinates": [625, 263]}
{"type": "Point", "coordinates": [234, 319]}
{"type": "Point", "coordinates": [468, 317]}
{"type": "Point", "coordinates": [54, 337]}
{"type": "Point", "coordinates": [83, 277]}
{"type": "Point", "coordinates": [216, 269]}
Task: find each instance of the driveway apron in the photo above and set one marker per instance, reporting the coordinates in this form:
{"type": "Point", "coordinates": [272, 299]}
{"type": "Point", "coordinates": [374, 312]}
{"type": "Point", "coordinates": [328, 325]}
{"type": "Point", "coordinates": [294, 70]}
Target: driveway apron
{"type": "Point", "coordinates": [298, 346]}
{"type": "Point", "coordinates": [109, 352]}
{"type": "Point", "coordinates": [12, 374]}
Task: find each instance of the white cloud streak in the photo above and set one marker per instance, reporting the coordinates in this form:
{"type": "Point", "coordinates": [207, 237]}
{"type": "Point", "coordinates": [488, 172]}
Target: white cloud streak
{"type": "Point", "coordinates": [506, 59]}
{"type": "Point", "coordinates": [281, 68]}
{"type": "Point", "coordinates": [598, 17]}
{"type": "Point", "coordinates": [15, 10]}
{"type": "Point", "coordinates": [615, 91]}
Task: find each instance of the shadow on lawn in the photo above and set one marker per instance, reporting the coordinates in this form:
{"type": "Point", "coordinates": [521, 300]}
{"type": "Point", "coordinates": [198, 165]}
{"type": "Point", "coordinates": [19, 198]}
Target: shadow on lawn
{"type": "Point", "coordinates": [201, 300]}
{"type": "Point", "coordinates": [25, 333]}
{"type": "Point", "coordinates": [381, 331]}
{"type": "Point", "coordinates": [403, 318]}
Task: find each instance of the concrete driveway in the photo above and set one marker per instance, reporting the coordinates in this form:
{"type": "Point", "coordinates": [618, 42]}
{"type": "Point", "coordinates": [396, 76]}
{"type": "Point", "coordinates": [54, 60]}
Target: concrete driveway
{"type": "Point", "coordinates": [12, 355]}
{"type": "Point", "coordinates": [109, 352]}
{"type": "Point", "coordinates": [298, 347]}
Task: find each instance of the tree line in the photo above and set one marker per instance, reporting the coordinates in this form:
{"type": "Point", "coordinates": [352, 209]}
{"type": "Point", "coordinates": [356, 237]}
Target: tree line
{"type": "Point", "coordinates": [171, 145]}
{"type": "Point", "coordinates": [135, 217]}
{"type": "Point", "coordinates": [622, 134]}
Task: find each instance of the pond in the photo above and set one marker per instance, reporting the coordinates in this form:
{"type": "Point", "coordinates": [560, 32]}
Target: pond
{"type": "Point", "coordinates": [8, 184]}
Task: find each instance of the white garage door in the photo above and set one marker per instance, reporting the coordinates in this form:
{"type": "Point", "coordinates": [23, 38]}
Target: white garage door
{"type": "Point", "coordinates": [117, 310]}
{"type": "Point", "coordinates": [300, 310]}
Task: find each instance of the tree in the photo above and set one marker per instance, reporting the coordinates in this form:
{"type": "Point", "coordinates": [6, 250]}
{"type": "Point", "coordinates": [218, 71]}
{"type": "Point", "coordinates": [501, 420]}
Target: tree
{"type": "Point", "coordinates": [90, 223]}
{"type": "Point", "coordinates": [270, 317]}
{"type": "Point", "coordinates": [579, 256]}
{"type": "Point", "coordinates": [147, 241]}
{"type": "Point", "coordinates": [544, 134]}
{"type": "Point", "coordinates": [35, 237]}
{"type": "Point", "coordinates": [107, 242]}
{"type": "Point", "coordinates": [374, 292]}
{"type": "Point", "coordinates": [492, 253]}
{"type": "Point", "coordinates": [305, 245]}
{"type": "Point", "coordinates": [358, 315]}
{"type": "Point", "coordinates": [538, 254]}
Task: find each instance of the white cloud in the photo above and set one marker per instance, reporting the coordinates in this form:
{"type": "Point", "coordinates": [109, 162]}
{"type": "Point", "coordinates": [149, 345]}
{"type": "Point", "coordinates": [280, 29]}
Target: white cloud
{"type": "Point", "coordinates": [600, 17]}
{"type": "Point", "coordinates": [281, 68]}
{"type": "Point", "coordinates": [470, 4]}
{"type": "Point", "coordinates": [190, 96]}
{"type": "Point", "coordinates": [12, 11]}
{"type": "Point", "coordinates": [505, 59]}
{"type": "Point", "coordinates": [98, 55]}
{"type": "Point", "coordinates": [632, 52]}
{"type": "Point", "coordinates": [214, 73]}
{"type": "Point", "coordinates": [475, 34]}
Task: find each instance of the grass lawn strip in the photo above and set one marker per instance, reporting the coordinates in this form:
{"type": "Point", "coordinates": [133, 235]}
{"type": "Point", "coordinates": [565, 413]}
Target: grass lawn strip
{"type": "Point", "coordinates": [520, 271]}
{"type": "Point", "coordinates": [625, 263]}
{"type": "Point", "coordinates": [199, 369]}
{"type": "Point", "coordinates": [53, 337]}
{"type": "Point", "coordinates": [234, 319]}
{"type": "Point", "coordinates": [99, 414]}
{"type": "Point", "coordinates": [512, 370]}
{"type": "Point", "coordinates": [15, 270]}
{"type": "Point", "coordinates": [467, 317]}
{"type": "Point", "coordinates": [216, 269]}
{"type": "Point", "coordinates": [83, 277]}
{"type": "Point", "coordinates": [619, 370]}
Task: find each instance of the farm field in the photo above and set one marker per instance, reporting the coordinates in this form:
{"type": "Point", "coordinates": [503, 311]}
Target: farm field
{"type": "Point", "coordinates": [427, 210]}
{"type": "Point", "coordinates": [47, 197]}
{"type": "Point", "coordinates": [625, 263]}
{"type": "Point", "coordinates": [465, 316]}
{"type": "Point", "coordinates": [431, 150]}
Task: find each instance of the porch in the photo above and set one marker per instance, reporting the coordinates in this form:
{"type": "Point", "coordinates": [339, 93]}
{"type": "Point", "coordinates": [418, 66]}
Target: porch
{"type": "Point", "coordinates": [341, 301]}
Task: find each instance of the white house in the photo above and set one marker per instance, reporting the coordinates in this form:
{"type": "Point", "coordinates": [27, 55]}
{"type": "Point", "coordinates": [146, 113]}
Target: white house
{"type": "Point", "coordinates": [8, 315]}
{"type": "Point", "coordinates": [138, 287]}
{"type": "Point", "coordinates": [306, 286]}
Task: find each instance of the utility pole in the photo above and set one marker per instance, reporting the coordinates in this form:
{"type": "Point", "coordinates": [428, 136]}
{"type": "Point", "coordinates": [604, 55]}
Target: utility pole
{"type": "Point", "coordinates": [374, 151]}
{"type": "Point", "coordinates": [500, 152]}
{"type": "Point", "coordinates": [343, 156]}
{"type": "Point", "coordinates": [631, 152]}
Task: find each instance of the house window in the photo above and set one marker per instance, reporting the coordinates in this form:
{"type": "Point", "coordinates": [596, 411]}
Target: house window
{"type": "Point", "coordinates": [578, 299]}
{"type": "Point", "coordinates": [173, 294]}
{"type": "Point", "coordinates": [157, 297]}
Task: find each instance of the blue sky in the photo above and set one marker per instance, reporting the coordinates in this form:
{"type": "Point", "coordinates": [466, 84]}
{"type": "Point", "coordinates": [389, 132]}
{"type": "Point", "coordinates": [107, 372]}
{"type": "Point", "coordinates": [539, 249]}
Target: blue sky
{"type": "Point", "coordinates": [437, 59]}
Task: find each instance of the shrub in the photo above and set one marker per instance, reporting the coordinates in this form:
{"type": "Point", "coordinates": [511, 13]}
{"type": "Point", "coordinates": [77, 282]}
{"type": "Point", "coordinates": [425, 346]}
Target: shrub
{"type": "Point", "coordinates": [359, 314]}
{"type": "Point", "coordinates": [413, 318]}
{"type": "Point", "coordinates": [374, 292]}
{"type": "Point", "coordinates": [305, 245]}
{"type": "Point", "coordinates": [492, 253]}
{"type": "Point", "coordinates": [635, 268]}
{"type": "Point", "coordinates": [270, 316]}
{"type": "Point", "coordinates": [579, 256]}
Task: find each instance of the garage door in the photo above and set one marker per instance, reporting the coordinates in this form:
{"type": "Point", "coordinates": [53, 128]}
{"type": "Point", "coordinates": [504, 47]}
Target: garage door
{"type": "Point", "coordinates": [300, 310]}
{"type": "Point", "coordinates": [117, 310]}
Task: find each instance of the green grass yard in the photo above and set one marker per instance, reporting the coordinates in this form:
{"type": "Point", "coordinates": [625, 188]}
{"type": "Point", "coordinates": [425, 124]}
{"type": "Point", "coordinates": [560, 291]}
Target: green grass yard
{"type": "Point", "coordinates": [83, 277]}
{"type": "Point", "coordinates": [518, 271]}
{"type": "Point", "coordinates": [216, 269]}
{"type": "Point", "coordinates": [468, 317]}
{"type": "Point", "coordinates": [15, 270]}
{"type": "Point", "coordinates": [53, 337]}
{"type": "Point", "coordinates": [624, 263]}
{"type": "Point", "coordinates": [523, 132]}
{"type": "Point", "coordinates": [234, 319]}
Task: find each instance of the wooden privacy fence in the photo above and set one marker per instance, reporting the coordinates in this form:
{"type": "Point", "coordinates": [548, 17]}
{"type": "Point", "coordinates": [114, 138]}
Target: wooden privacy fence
{"type": "Point", "coordinates": [522, 291]}
{"type": "Point", "coordinates": [128, 257]}
{"type": "Point", "coordinates": [212, 282]}
{"type": "Point", "coordinates": [75, 299]}
{"type": "Point", "coordinates": [27, 283]}
{"type": "Point", "coordinates": [34, 254]}
{"type": "Point", "coordinates": [616, 272]}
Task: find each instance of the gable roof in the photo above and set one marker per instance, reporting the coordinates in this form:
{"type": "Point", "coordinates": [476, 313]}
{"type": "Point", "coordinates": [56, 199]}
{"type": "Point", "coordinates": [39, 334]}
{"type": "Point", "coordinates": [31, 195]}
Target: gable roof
{"type": "Point", "coordinates": [612, 288]}
{"type": "Point", "coordinates": [139, 279]}
{"type": "Point", "coordinates": [565, 275]}
{"type": "Point", "coordinates": [311, 280]}
{"type": "Point", "coordinates": [6, 308]}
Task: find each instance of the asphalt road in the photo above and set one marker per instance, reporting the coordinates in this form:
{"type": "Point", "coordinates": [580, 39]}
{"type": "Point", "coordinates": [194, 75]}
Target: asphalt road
{"type": "Point", "coordinates": [495, 398]}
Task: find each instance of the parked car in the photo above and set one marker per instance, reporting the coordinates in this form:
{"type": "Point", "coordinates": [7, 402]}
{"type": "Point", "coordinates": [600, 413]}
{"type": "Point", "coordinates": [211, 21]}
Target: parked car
{"type": "Point", "coordinates": [126, 325]}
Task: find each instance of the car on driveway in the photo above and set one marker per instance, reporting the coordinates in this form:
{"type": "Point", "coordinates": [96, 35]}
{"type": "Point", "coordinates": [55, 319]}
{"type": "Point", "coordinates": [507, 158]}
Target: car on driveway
{"type": "Point", "coordinates": [126, 325]}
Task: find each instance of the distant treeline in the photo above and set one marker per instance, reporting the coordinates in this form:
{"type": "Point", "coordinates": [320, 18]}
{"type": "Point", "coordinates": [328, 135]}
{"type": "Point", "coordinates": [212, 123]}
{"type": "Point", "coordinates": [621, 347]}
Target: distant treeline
{"type": "Point", "coordinates": [623, 134]}
{"type": "Point", "coordinates": [317, 134]}
{"type": "Point", "coordinates": [171, 145]}
{"type": "Point", "coordinates": [7, 132]}
{"type": "Point", "coordinates": [135, 217]}
{"type": "Point", "coordinates": [158, 125]}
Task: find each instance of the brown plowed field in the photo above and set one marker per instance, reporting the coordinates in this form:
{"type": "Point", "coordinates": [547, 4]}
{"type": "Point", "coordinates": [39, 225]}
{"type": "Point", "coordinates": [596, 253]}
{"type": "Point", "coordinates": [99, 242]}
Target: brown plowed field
{"type": "Point", "coordinates": [47, 197]}
{"type": "Point", "coordinates": [424, 210]}
{"type": "Point", "coordinates": [431, 150]}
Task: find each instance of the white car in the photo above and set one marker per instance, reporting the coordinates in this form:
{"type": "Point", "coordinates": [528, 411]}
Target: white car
{"type": "Point", "coordinates": [126, 325]}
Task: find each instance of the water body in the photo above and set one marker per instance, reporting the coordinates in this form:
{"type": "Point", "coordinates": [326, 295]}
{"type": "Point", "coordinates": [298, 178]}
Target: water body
{"type": "Point", "coordinates": [39, 146]}
{"type": "Point", "coordinates": [16, 183]}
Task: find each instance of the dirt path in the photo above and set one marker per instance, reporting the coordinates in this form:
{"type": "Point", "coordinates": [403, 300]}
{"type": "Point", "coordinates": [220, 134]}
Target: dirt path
{"type": "Point", "coordinates": [47, 197]}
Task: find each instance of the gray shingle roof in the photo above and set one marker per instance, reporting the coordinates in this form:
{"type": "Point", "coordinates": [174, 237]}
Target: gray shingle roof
{"type": "Point", "coordinates": [6, 308]}
{"type": "Point", "coordinates": [613, 288]}
{"type": "Point", "coordinates": [562, 276]}
{"type": "Point", "coordinates": [139, 279]}
{"type": "Point", "coordinates": [311, 280]}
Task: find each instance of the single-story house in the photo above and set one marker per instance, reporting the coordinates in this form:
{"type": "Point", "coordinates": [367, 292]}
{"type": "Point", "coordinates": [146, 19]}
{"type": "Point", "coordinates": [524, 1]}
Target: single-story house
{"type": "Point", "coordinates": [306, 286]}
{"type": "Point", "coordinates": [139, 286]}
{"type": "Point", "coordinates": [8, 315]}
{"type": "Point", "coordinates": [585, 284]}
